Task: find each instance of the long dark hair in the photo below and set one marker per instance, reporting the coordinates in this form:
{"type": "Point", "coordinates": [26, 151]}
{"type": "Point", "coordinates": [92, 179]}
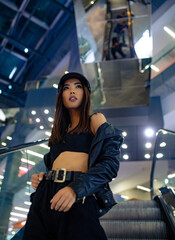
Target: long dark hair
{"type": "Point", "coordinates": [62, 119]}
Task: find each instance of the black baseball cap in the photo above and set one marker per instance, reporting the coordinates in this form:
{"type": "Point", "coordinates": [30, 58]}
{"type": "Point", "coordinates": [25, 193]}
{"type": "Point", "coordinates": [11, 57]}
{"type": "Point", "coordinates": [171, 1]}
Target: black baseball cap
{"type": "Point", "coordinates": [75, 75]}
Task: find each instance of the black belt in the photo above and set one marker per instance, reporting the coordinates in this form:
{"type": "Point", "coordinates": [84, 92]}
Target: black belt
{"type": "Point", "coordinates": [60, 175]}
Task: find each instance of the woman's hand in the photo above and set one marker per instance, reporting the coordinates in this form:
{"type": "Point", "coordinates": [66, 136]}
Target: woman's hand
{"type": "Point", "coordinates": [63, 199]}
{"type": "Point", "coordinates": [36, 179]}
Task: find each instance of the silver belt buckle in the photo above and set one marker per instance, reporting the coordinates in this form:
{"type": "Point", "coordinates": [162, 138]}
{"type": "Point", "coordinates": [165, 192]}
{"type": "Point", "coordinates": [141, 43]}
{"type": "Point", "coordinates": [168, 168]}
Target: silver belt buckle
{"type": "Point", "coordinates": [57, 174]}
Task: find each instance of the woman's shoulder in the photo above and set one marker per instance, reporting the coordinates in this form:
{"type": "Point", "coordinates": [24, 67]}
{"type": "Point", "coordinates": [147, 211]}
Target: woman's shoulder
{"type": "Point", "coordinates": [96, 120]}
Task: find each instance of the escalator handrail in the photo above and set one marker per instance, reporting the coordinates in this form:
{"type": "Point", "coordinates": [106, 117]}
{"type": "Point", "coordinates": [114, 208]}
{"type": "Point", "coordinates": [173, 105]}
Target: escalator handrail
{"type": "Point", "coordinates": [154, 159]}
{"type": "Point", "coordinates": [16, 148]}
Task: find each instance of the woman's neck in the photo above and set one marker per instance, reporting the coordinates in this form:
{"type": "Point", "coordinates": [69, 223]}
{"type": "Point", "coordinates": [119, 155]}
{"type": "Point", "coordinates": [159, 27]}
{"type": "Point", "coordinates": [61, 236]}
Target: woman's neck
{"type": "Point", "coordinates": [74, 117]}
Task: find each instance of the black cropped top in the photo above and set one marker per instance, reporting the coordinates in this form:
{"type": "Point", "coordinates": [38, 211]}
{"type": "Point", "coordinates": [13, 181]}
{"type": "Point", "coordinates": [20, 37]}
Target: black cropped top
{"type": "Point", "coordinates": [71, 142]}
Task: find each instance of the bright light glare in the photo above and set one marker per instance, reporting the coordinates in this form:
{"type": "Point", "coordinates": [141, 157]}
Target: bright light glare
{"type": "Point", "coordinates": [18, 214]}
{"type": "Point", "coordinates": [169, 31]}
{"type": "Point", "coordinates": [159, 155]}
{"type": "Point", "coordinates": [33, 112]}
{"type": "Point", "coordinates": [153, 67]}
{"type": "Point", "coordinates": [26, 50]}
{"type": "Point", "coordinates": [12, 72]}
{"type": "Point", "coordinates": [148, 145]}
{"type": "Point", "coordinates": [141, 50]}
{"type": "Point", "coordinates": [125, 197]}
{"type": "Point", "coordinates": [147, 156]}
{"type": "Point", "coordinates": [124, 134]}
{"type": "Point", "coordinates": [124, 146]}
{"type": "Point", "coordinates": [46, 111]}
{"type": "Point", "coordinates": [48, 134]}
{"type": "Point", "coordinates": [171, 175]}
{"type": "Point", "coordinates": [41, 127]}
{"type": "Point", "coordinates": [55, 85]}
{"type": "Point", "coordinates": [27, 203]}
{"type": "Point", "coordinates": [162, 144]}
{"type": "Point", "coordinates": [38, 120]}
{"type": "Point", "coordinates": [125, 156]}
{"type": "Point", "coordinates": [143, 188]}
{"type": "Point", "coordinates": [149, 132]}
{"type": "Point", "coordinates": [27, 161]}
{"type": "Point", "coordinates": [50, 119]}
{"type": "Point", "coordinates": [21, 209]}
{"type": "Point", "coordinates": [35, 153]}
{"type": "Point", "coordinates": [13, 219]}
{"type": "Point", "coordinates": [166, 181]}
{"type": "Point", "coordinates": [9, 138]}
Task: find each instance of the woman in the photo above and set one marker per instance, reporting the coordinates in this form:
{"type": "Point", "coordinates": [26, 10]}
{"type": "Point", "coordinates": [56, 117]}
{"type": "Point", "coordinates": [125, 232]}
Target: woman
{"type": "Point", "coordinates": [83, 158]}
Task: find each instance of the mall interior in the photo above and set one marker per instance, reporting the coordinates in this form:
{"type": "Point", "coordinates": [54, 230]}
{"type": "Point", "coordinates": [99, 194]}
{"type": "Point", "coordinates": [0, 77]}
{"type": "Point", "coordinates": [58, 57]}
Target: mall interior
{"type": "Point", "coordinates": [126, 49]}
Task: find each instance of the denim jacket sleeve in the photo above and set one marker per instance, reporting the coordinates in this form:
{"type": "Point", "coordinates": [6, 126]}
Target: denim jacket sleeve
{"type": "Point", "coordinates": [105, 165]}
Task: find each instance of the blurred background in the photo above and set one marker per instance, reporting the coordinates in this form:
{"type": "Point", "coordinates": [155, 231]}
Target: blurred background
{"type": "Point", "coordinates": [126, 49]}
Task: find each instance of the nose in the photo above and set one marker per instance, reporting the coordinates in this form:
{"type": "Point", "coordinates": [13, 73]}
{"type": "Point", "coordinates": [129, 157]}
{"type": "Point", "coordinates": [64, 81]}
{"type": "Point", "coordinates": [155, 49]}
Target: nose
{"type": "Point", "coordinates": [72, 91]}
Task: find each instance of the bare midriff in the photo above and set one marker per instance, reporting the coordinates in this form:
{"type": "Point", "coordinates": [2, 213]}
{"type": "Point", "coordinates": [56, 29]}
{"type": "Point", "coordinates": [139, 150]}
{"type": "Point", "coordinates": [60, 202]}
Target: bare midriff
{"type": "Point", "coordinates": [71, 161]}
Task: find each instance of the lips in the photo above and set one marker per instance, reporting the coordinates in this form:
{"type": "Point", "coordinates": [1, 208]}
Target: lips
{"type": "Point", "coordinates": [72, 98]}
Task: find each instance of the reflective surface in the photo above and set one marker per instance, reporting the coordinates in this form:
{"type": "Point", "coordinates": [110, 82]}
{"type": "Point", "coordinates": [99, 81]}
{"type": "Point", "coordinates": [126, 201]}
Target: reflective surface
{"type": "Point", "coordinates": [110, 30]}
{"type": "Point", "coordinates": [164, 160]}
{"type": "Point", "coordinates": [15, 188]}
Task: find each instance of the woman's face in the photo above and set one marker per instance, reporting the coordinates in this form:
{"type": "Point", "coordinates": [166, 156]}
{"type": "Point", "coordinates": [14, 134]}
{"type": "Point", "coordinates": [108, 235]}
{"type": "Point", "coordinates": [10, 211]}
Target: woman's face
{"type": "Point", "coordinates": [72, 93]}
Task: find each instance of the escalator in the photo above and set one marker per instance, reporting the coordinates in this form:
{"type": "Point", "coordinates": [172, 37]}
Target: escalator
{"type": "Point", "coordinates": [138, 220]}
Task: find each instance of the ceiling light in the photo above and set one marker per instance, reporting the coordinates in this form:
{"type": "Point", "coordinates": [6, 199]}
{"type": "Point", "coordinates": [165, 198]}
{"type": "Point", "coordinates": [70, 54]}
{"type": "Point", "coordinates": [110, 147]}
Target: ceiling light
{"type": "Point", "coordinates": [38, 120]}
{"type": "Point", "coordinates": [149, 132]}
{"type": "Point", "coordinates": [35, 153]}
{"type": "Point", "coordinates": [18, 214]}
{"type": "Point", "coordinates": [27, 161]}
{"type": "Point", "coordinates": [159, 155]}
{"type": "Point", "coordinates": [124, 197]}
{"type": "Point", "coordinates": [27, 203]}
{"type": "Point", "coordinates": [162, 144]}
{"type": "Point", "coordinates": [10, 87]}
{"type": "Point", "coordinates": [24, 169]}
{"type": "Point", "coordinates": [125, 156]}
{"type": "Point", "coordinates": [1, 177]}
{"type": "Point", "coordinates": [148, 145]}
{"type": "Point", "coordinates": [13, 219]}
{"type": "Point", "coordinates": [4, 144]}
{"type": "Point", "coordinates": [12, 72]}
{"type": "Point", "coordinates": [27, 193]}
{"type": "Point", "coordinates": [46, 111]}
{"type": "Point", "coordinates": [29, 183]}
{"type": "Point", "coordinates": [166, 181]}
{"type": "Point", "coordinates": [48, 134]}
{"type": "Point", "coordinates": [21, 209]}
{"type": "Point", "coordinates": [139, 46]}
{"type": "Point", "coordinates": [0, 91]}
{"type": "Point", "coordinates": [41, 127]}
{"type": "Point", "coordinates": [26, 50]}
{"type": "Point", "coordinates": [124, 146]}
{"type": "Point", "coordinates": [33, 112]}
{"type": "Point", "coordinates": [171, 175]}
{"type": "Point", "coordinates": [55, 85]}
{"type": "Point", "coordinates": [147, 156]}
{"type": "Point", "coordinates": [124, 134]}
{"type": "Point", "coordinates": [50, 119]}
{"type": "Point", "coordinates": [169, 31]}
{"type": "Point", "coordinates": [9, 138]}
{"type": "Point", "coordinates": [153, 67]}
{"type": "Point", "coordinates": [143, 188]}
{"type": "Point", "coordinates": [44, 146]}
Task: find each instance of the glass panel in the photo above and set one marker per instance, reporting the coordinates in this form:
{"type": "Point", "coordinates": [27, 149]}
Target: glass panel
{"type": "Point", "coordinates": [164, 157]}
{"type": "Point", "coordinates": [15, 173]}
{"type": "Point", "coordinates": [109, 30]}
{"type": "Point", "coordinates": [164, 172]}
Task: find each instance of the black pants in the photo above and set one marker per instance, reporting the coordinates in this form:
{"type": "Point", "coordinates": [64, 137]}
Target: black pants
{"type": "Point", "coordinates": [80, 222]}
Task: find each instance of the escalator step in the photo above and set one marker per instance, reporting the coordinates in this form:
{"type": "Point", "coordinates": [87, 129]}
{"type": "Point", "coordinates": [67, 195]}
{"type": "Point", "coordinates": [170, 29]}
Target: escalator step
{"type": "Point", "coordinates": [135, 229]}
{"type": "Point", "coordinates": [137, 204]}
{"type": "Point", "coordinates": [133, 214]}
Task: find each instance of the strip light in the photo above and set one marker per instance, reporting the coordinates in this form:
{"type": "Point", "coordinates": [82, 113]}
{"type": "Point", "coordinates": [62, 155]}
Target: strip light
{"type": "Point", "coordinates": [27, 161]}
{"type": "Point", "coordinates": [18, 214]}
{"type": "Point", "coordinates": [21, 209]}
{"type": "Point", "coordinates": [143, 188]}
{"type": "Point", "coordinates": [35, 153]}
{"type": "Point", "coordinates": [169, 31]}
{"type": "Point", "coordinates": [44, 146]}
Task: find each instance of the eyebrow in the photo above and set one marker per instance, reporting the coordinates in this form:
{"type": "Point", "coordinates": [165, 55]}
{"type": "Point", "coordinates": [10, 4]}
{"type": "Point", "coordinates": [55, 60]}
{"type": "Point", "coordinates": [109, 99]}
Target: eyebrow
{"type": "Point", "coordinates": [76, 83]}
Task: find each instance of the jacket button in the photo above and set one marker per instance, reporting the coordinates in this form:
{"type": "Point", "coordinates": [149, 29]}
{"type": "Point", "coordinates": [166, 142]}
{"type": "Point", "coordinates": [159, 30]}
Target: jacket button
{"type": "Point", "coordinates": [106, 201]}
